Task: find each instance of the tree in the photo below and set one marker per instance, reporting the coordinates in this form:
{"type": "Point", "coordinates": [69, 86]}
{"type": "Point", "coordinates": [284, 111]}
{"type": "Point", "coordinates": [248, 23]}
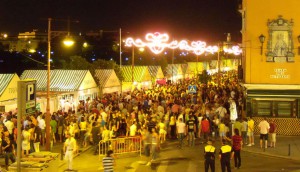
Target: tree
{"type": "Point", "coordinates": [108, 64]}
{"type": "Point", "coordinates": [204, 77]}
{"type": "Point", "coordinates": [76, 63]}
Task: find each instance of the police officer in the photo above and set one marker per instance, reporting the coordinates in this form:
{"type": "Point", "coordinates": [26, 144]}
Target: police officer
{"type": "Point", "coordinates": [225, 156]}
{"type": "Point", "coordinates": [209, 155]}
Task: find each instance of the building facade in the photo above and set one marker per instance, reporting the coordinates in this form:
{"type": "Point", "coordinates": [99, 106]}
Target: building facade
{"type": "Point", "coordinates": [271, 59]}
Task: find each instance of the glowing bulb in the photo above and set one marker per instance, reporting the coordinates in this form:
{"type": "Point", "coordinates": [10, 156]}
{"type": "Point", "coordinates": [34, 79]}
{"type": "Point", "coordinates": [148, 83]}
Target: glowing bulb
{"type": "Point", "coordinates": [68, 42]}
{"type": "Point", "coordinates": [32, 50]}
{"type": "Point", "coordinates": [85, 45]}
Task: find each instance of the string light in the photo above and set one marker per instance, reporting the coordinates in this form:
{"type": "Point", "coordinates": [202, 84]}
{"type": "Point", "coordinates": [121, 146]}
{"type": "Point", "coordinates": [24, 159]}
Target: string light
{"type": "Point", "coordinates": [233, 50]}
{"type": "Point", "coordinates": [158, 42]}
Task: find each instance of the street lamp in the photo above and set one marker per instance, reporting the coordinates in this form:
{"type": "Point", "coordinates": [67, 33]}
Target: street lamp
{"type": "Point", "coordinates": [68, 41]}
{"type": "Point", "coordinates": [261, 40]}
{"type": "Point", "coordinates": [48, 88]}
{"type": "Point", "coordinates": [47, 119]}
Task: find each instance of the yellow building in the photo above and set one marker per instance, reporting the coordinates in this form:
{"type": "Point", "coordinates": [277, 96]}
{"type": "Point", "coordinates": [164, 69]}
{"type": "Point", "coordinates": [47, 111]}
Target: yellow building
{"type": "Point", "coordinates": [271, 60]}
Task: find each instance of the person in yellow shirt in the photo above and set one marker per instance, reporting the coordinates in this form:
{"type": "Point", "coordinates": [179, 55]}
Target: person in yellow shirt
{"type": "Point", "coordinates": [225, 155]}
{"type": "Point", "coordinates": [222, 130]}
{"type": "Point", "coordinates": [250, 132]}
{"type": "Point", "coordinates": [34, 121]}
{"type": "Point", "coordinates": [209, 156]}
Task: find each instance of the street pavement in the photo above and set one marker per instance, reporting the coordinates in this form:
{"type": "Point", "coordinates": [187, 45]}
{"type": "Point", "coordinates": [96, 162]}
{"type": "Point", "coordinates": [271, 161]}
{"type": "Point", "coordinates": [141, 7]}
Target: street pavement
{"type": "Point", "coordinates": [286, 147]}
{"type": "Point", "coordinates": [190, 159]}
{"type": "Point", "coordinates": [285, 157]}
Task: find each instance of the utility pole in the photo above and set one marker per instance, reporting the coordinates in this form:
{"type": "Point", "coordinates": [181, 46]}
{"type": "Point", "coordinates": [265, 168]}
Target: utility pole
{"type": "Point", "coordinates": [48, 88]}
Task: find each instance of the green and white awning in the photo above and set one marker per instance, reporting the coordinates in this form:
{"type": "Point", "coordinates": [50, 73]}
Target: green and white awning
{"type": "Point", "coordinates": [107, 77]}
{"type": "Point", "coordinates": [140, 73]}
{"type": "Point", "coordinates": [4, 81]}
{"type": "Point", "coordinates": [60, 80]}
{"type": "Point", "coordinates": [173, 70]}
{"type": "Point", "coordinates": [156, 72]}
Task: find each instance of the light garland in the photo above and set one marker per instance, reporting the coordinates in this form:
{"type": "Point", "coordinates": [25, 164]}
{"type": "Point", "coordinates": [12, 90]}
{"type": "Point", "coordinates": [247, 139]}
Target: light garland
{"type": "Point", "coordinates": [157, 42]}
{"type": "Point", "coordinates": [233, 50]}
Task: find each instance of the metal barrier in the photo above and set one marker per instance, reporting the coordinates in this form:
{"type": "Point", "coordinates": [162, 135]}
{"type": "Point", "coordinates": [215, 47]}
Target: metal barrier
{"type": "Point", "coordinates": [121, 145]}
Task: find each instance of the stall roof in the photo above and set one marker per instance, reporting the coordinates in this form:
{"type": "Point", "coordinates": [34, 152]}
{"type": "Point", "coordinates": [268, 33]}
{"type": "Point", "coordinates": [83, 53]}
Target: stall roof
{"type": "Point", "coordinates": [60, 80]}
{"type": "Point", "coordinates": [156, 72]}
{"type": "Point", "coordinates": [40, 76]}
{"type": "Point", "coordinates": [194, 67]}
{"type": "Point", "coordinates": [5, 80]}
{"type": "Point", "coordinates": [173, 69]}
{"type": "Point", "coordinates": [184, 68]}
{"type": "Point", "coordinates": [140, 74]}
{"type": "Point", "coordinates": [107, 75]}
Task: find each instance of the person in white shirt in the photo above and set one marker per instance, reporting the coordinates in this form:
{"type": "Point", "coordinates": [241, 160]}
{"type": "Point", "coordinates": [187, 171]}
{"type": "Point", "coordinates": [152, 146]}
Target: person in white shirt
{"type": "Point", "coordinates": [221, 111]}
{"type": "Point", "coordinates": [181, 132]}
{"type": "Point", "coordinates": [264, 127]}
{"type": "Point", "coordinates": [42, 125]}
{"type": "Point", "coordinates": [10, 126]}
{"type": "Point", "coordinates": [104, 115]}
{"type": "Point", "coordinates": [67, 106]}
{"type": "Point", "coordinates": [70, 147]}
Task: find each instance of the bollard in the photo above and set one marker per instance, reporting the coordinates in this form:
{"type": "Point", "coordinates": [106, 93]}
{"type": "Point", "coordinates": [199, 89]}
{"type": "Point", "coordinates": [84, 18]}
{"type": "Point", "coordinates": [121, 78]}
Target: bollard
{"type": "Point", "coordinates": [289, 151]}
{"type": "Point", "coordinates": [62, 154]}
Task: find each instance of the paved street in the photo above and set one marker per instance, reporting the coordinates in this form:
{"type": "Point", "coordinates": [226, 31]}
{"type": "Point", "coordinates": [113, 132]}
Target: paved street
{"type": "Point", "coordinates": [191, 159]}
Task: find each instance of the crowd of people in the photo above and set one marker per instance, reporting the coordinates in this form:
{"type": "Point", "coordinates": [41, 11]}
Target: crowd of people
{"type": "Point", "coordinates": [164, 112]}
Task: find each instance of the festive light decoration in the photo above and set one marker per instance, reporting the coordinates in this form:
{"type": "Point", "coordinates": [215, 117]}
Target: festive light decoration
{"type": "Point", "coordinates": [233, 50]}
{"type": "Point", "coordinates": [157, 43]}
{"type": "Point", "coordinates": [199, 47]}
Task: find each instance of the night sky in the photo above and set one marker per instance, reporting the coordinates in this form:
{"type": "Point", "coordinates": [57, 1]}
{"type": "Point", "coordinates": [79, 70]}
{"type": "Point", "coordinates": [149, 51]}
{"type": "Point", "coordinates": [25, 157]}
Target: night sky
{"type": "Point", "coordinates": [206, 20]}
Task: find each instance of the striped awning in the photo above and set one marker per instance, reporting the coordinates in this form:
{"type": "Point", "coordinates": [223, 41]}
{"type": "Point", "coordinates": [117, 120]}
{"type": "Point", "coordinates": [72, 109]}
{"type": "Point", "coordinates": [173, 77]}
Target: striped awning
{"type": "Point", "coordinates": [67, 80]}
{"type": "Point", "coordinates": [4, 81]}
{"type": "Point", "coordinates": [184, 68]}
{"type": "Point", "coordinates": [173, 70]}
{"type": "Point", "coordinates": [139, 73]}
{"type": "Point", "coordinates": [60, 80]}
{"type": "Point", "coordinates": [103, 75]}
{"type": "Point", "coordinates": [106, 75]}
{"type": "Point", "coordinates": [156, 72]}
{"type": "Point", "coordinates": [39, 75]}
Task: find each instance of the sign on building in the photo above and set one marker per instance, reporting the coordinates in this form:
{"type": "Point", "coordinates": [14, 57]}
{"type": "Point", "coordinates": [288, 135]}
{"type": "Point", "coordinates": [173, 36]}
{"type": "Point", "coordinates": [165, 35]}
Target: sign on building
{"type": "Point", "coordinates": [26, 97]}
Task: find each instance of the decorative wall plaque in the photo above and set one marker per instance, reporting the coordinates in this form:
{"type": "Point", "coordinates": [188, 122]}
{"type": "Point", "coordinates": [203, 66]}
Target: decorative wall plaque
{"type": "Point", "coordinates": [280, 45]}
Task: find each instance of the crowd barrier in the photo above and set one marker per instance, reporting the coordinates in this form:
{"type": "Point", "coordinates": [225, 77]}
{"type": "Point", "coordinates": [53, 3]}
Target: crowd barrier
{"type": "Point", "coordinates": [121, 145]}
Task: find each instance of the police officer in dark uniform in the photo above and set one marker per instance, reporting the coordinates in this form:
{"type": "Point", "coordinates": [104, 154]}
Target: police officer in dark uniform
{"type": "Point", "coordinates": [209, 155]}
{"type": "Point", "coordinates": [225, 156]}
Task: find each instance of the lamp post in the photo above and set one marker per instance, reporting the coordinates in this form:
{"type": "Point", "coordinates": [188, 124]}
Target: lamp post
{"type": "Point", "coordinates": [47, 118]}
{"type": "Point", "coordinates": [197, 66]}
{"type": "Point", "coordinates": [173, 66]}
{"type": "Point", "coordinates": [120, 42]}
{"type": "Point", "coordinates": [48, 88]}
{"type": "Point", "coordinates": [219, 66]}
{"type": "Point", "coordinates": [132, 66]}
